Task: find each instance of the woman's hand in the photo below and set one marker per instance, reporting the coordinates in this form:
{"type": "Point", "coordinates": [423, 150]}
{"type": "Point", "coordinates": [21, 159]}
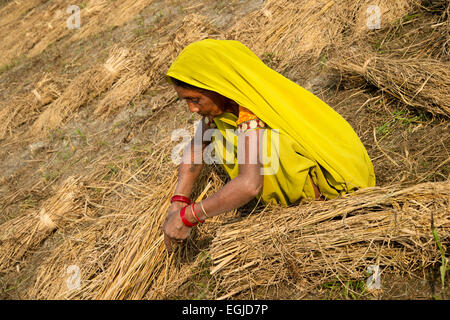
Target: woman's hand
{"type": "Point", "coordinates": [175, 232]}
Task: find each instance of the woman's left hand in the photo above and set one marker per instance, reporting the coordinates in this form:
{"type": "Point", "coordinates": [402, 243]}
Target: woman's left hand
{"type": "Point", "coordinates": [175, 232]}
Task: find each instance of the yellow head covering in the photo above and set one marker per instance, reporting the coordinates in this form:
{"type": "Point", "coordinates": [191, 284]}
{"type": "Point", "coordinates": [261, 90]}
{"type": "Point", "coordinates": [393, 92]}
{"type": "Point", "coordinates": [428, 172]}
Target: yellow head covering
{"type": "Point", "coordinates": [340, 161]}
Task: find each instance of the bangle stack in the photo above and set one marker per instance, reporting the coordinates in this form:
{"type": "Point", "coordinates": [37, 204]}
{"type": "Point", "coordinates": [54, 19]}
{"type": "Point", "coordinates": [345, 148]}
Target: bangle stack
{"type": "Point", "coordinates": [203, 209]}
{"type": "Point", "coordinates": [184, 220]}
{"type": "Point", "coordinates": [195, 215]}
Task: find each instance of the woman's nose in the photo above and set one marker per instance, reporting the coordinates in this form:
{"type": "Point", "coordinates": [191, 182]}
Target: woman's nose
{"type": "Point", "coordinates": [193, 107]}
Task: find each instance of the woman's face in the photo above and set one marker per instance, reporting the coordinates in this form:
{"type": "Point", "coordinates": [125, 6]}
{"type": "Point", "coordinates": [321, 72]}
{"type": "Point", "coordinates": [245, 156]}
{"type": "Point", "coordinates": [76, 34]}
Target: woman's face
{"type": "Point", "coordinates": [205, 103]}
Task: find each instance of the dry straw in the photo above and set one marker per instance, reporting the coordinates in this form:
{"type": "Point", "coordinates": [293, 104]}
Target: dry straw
{"type": "Point", "coordinates": [419, 83]}
{"type": "Point", "coordinates": [120, 251]}
{"type": "Point", "coordinates": [20, 235]}
{"type": "Point", "coordinates": [83, 90]}
{"type": "Point", "coordinates": [321, 241]}
{"type": "Point", "coordinates": [292, 31]}
{"type": "Point", "coordinates": [27, 29]}
{"type": "Point", "coordinates": [26, 107]}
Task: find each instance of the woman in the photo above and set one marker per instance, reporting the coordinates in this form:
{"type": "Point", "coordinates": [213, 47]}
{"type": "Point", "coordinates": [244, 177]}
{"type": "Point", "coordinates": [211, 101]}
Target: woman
{"type": "Point", "coordinates": [313, 152]}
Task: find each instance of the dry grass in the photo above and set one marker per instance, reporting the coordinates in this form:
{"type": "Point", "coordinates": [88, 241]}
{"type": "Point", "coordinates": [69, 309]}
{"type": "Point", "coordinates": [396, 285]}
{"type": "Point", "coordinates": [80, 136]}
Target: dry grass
{"type": "Point", "coordinates": [42, 23]}
{"type": "Point", "coordinates": [115, 216]}
{"type": "Point", "coordinates": [25, 108]}
{"type": "Point", "coordinates": [292, 31]}
{"type": "Point", "coordinates": [24, 233]}
{"type": "Point", "coordinates": [82, 90]}
{"type": "Point", "coordinates": [419, 83]}
{"type": "Point", "coordinates": [310, 244]}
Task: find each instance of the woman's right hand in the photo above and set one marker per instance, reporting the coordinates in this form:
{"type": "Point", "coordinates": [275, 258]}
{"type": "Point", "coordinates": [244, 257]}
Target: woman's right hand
{"type": "Point", "coordinates": [175, 232]}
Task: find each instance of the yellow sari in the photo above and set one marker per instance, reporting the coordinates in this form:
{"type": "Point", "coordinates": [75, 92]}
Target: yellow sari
{"type": "Point", "coordinates": [313, 139]}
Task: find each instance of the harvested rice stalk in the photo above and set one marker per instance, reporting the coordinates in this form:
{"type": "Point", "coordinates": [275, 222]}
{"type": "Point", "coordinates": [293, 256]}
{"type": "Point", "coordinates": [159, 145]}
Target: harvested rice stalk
{"type": "Point", "coordinates": [419, 83]}
{"type": "Point", "coordinates": [122, 93]}
{"type": "Point", "coordinates": [24, 233]}
{"type": "Point", "coordinates": [83, 89]}
{"type": "Point", "coordinates": [294, 30]}
{"type": "Point", "coordinates": [25, 108]}
{"type": "Point", "coordinates": [315, 242]}
{"type": "Point", "coordinates": [145, 264]}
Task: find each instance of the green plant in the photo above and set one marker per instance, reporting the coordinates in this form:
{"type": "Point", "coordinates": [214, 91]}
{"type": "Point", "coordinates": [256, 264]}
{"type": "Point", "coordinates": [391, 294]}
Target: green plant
{"type": "Point", "coordinates": [399, 116]}
{"type": "Point", "coordinates": [80, 134]}
{"type": "Point", "coordinates": [444, 261]}
{"type": "Point", "coordinates": [351, 289]}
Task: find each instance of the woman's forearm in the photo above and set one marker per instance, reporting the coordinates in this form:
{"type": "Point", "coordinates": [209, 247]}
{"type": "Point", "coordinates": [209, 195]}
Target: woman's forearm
{"type": "Point", "coordinates": [239, 190]}
{"type": "Point", "coordinates": [187, 175]}
{"type": "Point", "coordinates": [189, 170]}
{"type": "Point", "coordinates": [233, 195]}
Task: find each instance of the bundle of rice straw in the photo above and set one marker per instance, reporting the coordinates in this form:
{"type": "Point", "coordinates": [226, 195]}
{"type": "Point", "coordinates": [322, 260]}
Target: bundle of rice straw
{"type": "Point", "coordinates": [24, 108]}
{"type": "Point", "coordinates": [419, 83]}
{"type": "Point", "coordinates": [120, 253]}
{"type": "Point", "coordinates": [295, 30]}
{"type": "Point", "coordinates": [20, 235]}
{"type": "Point", "coordinates": [28, 29]}
{"type": "Point", "coordinates": [173, 39]}
{"type": "Point", "coordinates": [320, 241]}
{"type": "Point", "coordinates": [83, 89]}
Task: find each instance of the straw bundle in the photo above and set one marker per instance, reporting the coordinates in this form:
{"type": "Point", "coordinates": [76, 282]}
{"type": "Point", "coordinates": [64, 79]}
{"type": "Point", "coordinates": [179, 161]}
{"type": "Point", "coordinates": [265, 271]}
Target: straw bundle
{"type": "Point", "coordinates": [83, 89]}
{"type": "Point", "coordinates": [143, 267]}
{"type": "Point", "coordinates": [337, 238]}
{"type": "Point", "coordinates": [121, 254]}
{"type": "Point", "coordinates": [91, 249]}
{"type": "Point", "coordinates": [46, 23]}
{"type": "Point", "coordinates": [128, 207]}
{"type": "Point", "coordinates": [20, 235]}
{"type": "Point", "coordinates": [27, 107]}
{"type": "Point", "coordinates": [129, 86]}
{"type": "Point", "coordinates": [174, 38]}
{"type": "Point", "coordinates": [295, 30]}
{"type": "Point", "coordinates": [419, 83]}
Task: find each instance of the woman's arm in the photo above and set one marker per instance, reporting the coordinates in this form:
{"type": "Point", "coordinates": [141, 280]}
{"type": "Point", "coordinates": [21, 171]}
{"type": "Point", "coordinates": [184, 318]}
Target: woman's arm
{"type": "Point", "coordinates": [241, 189]}
{"type": "Point", "coordinates": [188, 172]}
{"type": "Point", "coordinates": [233, 195]}
{"type": "Point", "coordinates": [191, 163]}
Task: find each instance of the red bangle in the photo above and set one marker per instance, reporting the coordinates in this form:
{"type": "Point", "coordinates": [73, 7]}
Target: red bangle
{"type": "Point", "coordinates": [195, 216]}
{"type": "Point", "coordinates": [184, 220]}
{"type": "Point", "coordinates": [180, 199]}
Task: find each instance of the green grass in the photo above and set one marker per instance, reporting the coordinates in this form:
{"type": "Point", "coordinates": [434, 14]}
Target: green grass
{"type": "Point", "coordinates": [444, 261]}
{"type": "Point", "coordinates": [400, 117]}
{"type": "Point", "coordinates": [345, 290]}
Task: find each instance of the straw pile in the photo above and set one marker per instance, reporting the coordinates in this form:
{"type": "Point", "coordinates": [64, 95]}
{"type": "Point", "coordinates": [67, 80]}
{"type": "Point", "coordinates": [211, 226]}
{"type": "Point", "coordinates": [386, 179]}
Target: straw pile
{"type": "Point", "coordinates": [292, 31]}
{"type": "Point", "coordinates": [408, 60]}
{"type": "Point", "coordinates": [419, 83]}
{"type": "Point", "coordinates": [118, 242]}
{"type": "Point", "coordinates": [20, 235]}
{"type": "Point", "coordinates": [28, 29]}
{"type": "Point", "coordinates": [120, 252]}
{"type": "Point", "coordinates": [83, 90]}
{"type": "Point", "coordinates": [149, 71]}
{"type": "Point", "coordinates": [319, 241]}
{"type": "Point", "coordinates": [26, 108]}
